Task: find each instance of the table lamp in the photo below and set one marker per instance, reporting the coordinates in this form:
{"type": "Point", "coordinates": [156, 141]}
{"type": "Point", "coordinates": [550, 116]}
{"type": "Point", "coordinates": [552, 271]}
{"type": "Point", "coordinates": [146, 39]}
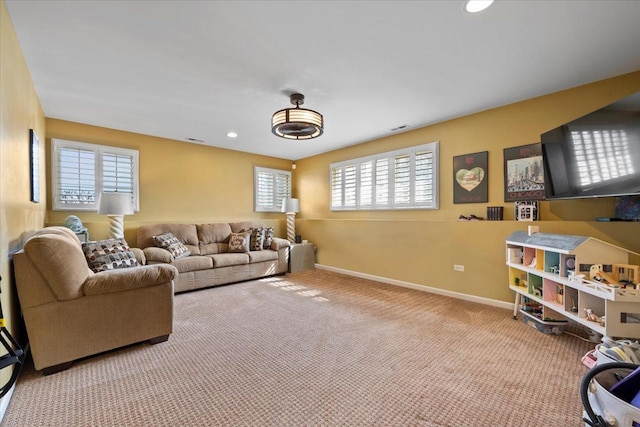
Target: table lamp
{"type": "Point", "coordinates": [115, 206]}
{"type": "Point", "coordinates": [291, 206]}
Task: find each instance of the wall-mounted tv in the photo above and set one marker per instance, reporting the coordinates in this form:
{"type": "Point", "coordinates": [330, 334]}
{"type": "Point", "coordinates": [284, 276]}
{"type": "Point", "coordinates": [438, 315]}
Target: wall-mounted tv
{"type": "Point", "coordinates": [596, 155]}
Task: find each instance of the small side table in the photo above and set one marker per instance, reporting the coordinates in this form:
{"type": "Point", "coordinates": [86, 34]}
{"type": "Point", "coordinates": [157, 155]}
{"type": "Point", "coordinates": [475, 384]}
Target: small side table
{"type": "Point", "coordinates": [302, 256]}
{"type": "Point", "coordinates": [83, 236]}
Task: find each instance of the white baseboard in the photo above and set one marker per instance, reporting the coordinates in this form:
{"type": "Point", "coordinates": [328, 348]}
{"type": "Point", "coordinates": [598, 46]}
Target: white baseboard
{"type": "Point", "coordinates": [458, 295]}
{"type": "Point", "coordinates": [4, 402]}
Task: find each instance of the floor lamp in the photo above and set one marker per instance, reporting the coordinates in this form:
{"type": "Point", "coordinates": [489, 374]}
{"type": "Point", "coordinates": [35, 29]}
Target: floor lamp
{"type": "Point", "coordinates": [291, 207]}
{"type": "Point", "coordinates": [115, 206]}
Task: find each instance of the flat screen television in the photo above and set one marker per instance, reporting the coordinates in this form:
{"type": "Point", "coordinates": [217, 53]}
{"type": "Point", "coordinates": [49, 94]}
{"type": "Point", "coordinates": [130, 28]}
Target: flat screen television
{"type": "Point", "coordinates": [596, 155]}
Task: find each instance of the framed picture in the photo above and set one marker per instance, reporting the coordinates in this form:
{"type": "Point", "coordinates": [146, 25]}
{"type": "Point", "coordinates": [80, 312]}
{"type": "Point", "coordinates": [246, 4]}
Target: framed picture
{"type": "Point", "coordinates": [34, 165]}
{"type": "Point", "coordinates": [470, 178]}
{"type": "Point", "coordinates": [523, 173]}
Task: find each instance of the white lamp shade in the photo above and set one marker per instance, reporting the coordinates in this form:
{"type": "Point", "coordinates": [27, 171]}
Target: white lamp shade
{"type": "Point", "coordinates": [290, 205]}
{"type": "Point", "coordinates": [115, 204]}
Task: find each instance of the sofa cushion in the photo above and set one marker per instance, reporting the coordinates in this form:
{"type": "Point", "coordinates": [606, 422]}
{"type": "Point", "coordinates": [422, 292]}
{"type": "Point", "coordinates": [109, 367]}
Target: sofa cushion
{"type": "Point", "coordinates": [154, 255]}
{"type": "Point", "coordinates": [171, 243]}
{"type": "Point", "coordinates": [229, 259]}
{"type": "Point", "coordinates": [186, 233]}
{"type": "Point", "coordinates": [256, 238]}
{"type": "Point", "coordinates": [213, 238]}
{"type": "Point", "coordinates": [261, 256]}
{"type": "Point", "coordinates": [239, 242]}
{"type": "Point", "coordinates": [193, 263]}
{"type": "Point", "coordinates": [110, 254]}
{"type": "Point", "coordinates": [268, 238]}
{"type": "Point", "coordinates": [236, 227]}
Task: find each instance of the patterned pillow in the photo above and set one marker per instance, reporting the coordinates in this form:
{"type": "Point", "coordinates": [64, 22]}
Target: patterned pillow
{"type": "Point", "coordinates": [104, 255]}
{"type": "Point", "coordinates": [268, 237]}
{"type": "Point", "coordinates": [171, 243]}
{"type": "Point", "coordinates": [256, 238]}
{"type": "Point", "coordinates": [239, 242]}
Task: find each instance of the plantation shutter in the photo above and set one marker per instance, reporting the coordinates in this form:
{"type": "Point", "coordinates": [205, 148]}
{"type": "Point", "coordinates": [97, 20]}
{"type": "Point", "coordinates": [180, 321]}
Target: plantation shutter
{"type": "Point", "coordinates": [350, 186]}
{"type": "Point", "coordinates": [76, 180]}
{"type": "Point", "coordinates": [402, 179]}
{"type": "Point", "coordinates": [117, 173]}
{"type": "Point", "coordinates": [336, 188]}
{"type": "Point", "coordinates": [271, 187]}
{"type": "Point", "coordinates": [382, 182]}
{"type": "Point", "coordinates": [81, 171]}
{"type": "Point", "coordinates": [424, 178]}
{"type": "Point", "coordinates": [366, 183]}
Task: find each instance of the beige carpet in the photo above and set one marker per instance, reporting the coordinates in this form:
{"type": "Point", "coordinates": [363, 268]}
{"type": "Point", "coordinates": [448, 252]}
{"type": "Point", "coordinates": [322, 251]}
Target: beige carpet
{"type": "Point", "coordinates": [319, 349]}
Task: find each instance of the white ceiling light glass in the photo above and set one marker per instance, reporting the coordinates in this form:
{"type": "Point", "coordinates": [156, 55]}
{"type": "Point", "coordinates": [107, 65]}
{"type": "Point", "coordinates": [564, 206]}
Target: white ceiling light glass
{"type": "Point", "coordinates": [297, 123]}
{"type": "Point", "coordinates": [475, 6]}
{"type": "Point", "coordinates": [232, 134]}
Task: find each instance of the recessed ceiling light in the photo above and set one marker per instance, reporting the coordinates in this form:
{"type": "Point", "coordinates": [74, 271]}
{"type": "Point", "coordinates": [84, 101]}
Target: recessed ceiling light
{"type": "Point", "coordinates": [232, 134]}
{"type": "Point", "coordinates": [475, 6]}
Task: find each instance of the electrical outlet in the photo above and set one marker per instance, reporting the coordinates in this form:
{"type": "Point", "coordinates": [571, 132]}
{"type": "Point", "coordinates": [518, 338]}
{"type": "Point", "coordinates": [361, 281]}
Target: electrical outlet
{"type": "Point", "coordinates": [457, 267]}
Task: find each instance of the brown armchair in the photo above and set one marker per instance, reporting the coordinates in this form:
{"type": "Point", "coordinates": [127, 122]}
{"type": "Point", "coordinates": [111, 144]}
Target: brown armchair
{"type": "Point", "coordinates": [71, 312]}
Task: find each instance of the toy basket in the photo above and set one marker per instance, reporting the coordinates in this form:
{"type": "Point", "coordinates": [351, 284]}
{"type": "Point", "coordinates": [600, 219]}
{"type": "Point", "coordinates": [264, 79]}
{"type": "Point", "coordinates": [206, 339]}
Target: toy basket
{"type": "Point", "coordinates": [601, 407]}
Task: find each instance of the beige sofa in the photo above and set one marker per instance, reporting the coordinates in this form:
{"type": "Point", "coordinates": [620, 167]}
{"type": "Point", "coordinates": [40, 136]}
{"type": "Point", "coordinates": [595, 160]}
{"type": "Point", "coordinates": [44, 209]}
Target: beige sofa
{"type": "Point", "coordinates": [210, 263]}
{"type": "Point", "coordinates": [71, 312]}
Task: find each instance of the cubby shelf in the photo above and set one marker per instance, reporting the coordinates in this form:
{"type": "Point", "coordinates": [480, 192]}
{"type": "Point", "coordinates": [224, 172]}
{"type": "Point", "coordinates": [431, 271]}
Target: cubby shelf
{"type": "Point", "coordinates": [550, 269]}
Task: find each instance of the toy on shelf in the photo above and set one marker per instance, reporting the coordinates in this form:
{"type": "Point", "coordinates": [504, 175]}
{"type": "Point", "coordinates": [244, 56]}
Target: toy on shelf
{"type": "Point", "coordinates": [597, 274]}
{"type": "Point", "coordinates": [591, 316]}
{"type": "Point", "coordinates": [627, 275]}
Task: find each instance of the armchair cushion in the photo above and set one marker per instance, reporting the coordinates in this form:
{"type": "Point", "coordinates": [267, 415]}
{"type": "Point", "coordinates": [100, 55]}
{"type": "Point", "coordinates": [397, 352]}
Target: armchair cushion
{"type": "Point", "coordinates": [110, 254]}
{"type": "Point", "coordinates": [61, 262]}
{"type": "Point", "coordinates": [127, 279]}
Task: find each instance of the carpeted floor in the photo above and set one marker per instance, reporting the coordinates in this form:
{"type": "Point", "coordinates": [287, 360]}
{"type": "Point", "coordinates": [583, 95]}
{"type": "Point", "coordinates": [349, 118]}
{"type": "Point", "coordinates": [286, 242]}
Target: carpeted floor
{"type": "Point", "coordinates": [317, 348]}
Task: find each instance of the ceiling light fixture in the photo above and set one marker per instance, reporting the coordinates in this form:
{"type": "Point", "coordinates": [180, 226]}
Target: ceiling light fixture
{"type": "Point", "coordinates": [232, 134]}
{"type": "Point", "coordinates": [297, 123]}
{"type": "Point", "coordinates": [475, 6]}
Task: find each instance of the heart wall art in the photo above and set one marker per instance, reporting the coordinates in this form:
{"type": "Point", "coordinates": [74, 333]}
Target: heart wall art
{"type": "Point", "coordinates": [471, 178]}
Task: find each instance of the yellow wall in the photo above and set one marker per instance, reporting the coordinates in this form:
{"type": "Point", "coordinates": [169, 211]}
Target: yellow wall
{"type": "Point", "coordinates": [20, 111]}
{"type": "Point", "coordinates": [421, 246]}
{"type": "Point", "coordinates": [179, 181]}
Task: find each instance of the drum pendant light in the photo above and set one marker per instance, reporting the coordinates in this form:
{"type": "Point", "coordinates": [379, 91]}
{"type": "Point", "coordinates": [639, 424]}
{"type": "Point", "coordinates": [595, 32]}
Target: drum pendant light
{"type": "Point", "coordinates": [297, 123]}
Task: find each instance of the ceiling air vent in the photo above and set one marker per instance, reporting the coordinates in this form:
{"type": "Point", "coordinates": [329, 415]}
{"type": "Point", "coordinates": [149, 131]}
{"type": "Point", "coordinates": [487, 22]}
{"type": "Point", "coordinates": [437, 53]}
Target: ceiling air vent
{"type": "Point", "coordinates": [399, 128]}
{"type": "Point", "coordinates": [194, 139]}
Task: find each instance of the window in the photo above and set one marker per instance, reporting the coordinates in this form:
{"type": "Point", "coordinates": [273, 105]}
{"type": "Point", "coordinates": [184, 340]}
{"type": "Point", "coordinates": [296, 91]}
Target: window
{"type": "Point", "coordinates": [81, 171]}
{"type": "Point", "coordinates": [403, 179]}
{"type": "Point", "coordinates": [270, 187]}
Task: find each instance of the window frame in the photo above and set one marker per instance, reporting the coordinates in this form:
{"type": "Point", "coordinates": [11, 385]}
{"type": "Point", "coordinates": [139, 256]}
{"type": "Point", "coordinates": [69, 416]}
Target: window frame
{"type": "Point", "coordinates": [276, 205]}
{"type": "Point", "coordinates": [352, 200]}
{"type": "Point", "coordinates": [99, 152]}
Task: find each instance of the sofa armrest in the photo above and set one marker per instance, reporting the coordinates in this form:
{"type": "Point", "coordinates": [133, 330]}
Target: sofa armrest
{"type": "Point", "coordinates": [279, 243]}
{"type": "Point", "coordinates": [128, 278]}
{"type": "Point", "coordinates": [139, 253]}
{"type": "Point", "coordinates": [156, 255]}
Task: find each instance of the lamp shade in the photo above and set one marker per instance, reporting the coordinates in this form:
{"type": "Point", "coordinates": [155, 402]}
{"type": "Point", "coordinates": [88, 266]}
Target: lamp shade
{"type": "Point", "coordinates": [115, 204]}
{"type": "Point", "coordinates": [290, 205]}
{"type": "Point", "coordinates": [297, 123]}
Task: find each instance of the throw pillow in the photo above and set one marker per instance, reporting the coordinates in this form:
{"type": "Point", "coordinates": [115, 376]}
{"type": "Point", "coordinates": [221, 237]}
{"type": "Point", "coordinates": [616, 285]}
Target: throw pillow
{"type": "Point", "coordinates": [256, 238]}
{"type": "Point", "coordinates": [171, 243]}
{"type": "Point", "coordinates": [103, 255]}
{"type": "Point", "coordinates": [268, 237]}
{"type": "Point", "coordinates": [239, 242]}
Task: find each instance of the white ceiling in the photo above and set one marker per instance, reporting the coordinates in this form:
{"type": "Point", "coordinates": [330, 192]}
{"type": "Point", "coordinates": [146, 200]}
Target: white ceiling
{"type": "Point", "coordinates": [179, 69]}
